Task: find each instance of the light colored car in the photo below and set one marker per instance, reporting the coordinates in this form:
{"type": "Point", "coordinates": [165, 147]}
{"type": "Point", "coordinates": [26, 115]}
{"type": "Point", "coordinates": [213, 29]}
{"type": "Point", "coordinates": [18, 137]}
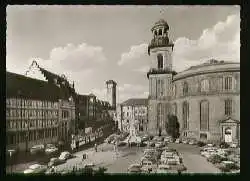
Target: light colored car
{"type": "Point", "coordinates": [36, 168]}
{"type": "Point", "coordinates": [163, 168]}
{"type": "Point", "coordinates": [233, 145]}
{"type": "Point", "coordinates": [37, 148]}
{"type": "Point", "coordinates": [55, 162]}
{"type": "Point", "coordinates": [65, 155]}
{"type": "Point", "coordinates": [185, 141]}
{"type": "Point", "coordinates": [134, 168]}
{"type": "Point", "coordinates": [159, 145]}
{"type": "Point", "coordinates": [177, 141]}
{"type": "Point", "coordinates": [51, 150]}
{"type": "Point", "coordinates": [191, 142]}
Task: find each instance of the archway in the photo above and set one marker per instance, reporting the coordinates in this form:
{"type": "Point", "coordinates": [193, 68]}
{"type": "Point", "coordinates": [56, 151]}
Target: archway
{"type": "Point", "coordinates": [228, 135]}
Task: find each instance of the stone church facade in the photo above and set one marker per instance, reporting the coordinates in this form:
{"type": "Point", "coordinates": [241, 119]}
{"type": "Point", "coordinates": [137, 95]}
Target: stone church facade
{"type": "Point", "coordinates": [205, 98]}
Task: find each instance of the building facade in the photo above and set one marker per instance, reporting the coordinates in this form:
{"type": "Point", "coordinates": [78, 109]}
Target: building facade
{"type": "Point", "coordinates": [111, 93]}
{"type": "Point", "coordinates": [37, 111]}
{"type": "Point", "coordinates": [134, 116]}
{"type": "Point", "coordinates": [205, 98]}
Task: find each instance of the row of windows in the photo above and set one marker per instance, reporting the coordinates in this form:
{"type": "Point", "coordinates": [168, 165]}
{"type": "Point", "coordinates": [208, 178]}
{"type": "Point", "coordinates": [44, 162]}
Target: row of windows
{"type": "Point", "coordinates": [22, 137]}
{"type": "Point", "coordinates": [30, 113]}
{"type": "Point", "coordinates": [204, 113]}
{"type": "Point", "coordinates": [17, 124]}
{"type": "Point", "coordinates": [226, 84]}
{"type": "Point", "coordinates": [30, 103]}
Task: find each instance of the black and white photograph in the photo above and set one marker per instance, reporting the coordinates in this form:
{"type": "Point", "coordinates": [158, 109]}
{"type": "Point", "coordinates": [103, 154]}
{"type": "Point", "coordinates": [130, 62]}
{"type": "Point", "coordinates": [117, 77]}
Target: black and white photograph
{"type": "Point", "coordinates": [122, 89]}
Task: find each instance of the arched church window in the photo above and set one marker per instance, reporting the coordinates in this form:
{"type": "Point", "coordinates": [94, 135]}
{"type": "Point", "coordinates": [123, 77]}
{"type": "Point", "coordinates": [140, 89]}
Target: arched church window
{"type": "Point", "coordinates": [185, 114]}
{"type": "Point", "coordinates": [160, 61]}
{"type": "Point", "coordinates": [204, 115]}
{"type": "Point", "coordinates": [185, 88]}
{"type": "Point", "coordinates": [160, 32]}
{"type": "Point", "coordinates": [165, 30]}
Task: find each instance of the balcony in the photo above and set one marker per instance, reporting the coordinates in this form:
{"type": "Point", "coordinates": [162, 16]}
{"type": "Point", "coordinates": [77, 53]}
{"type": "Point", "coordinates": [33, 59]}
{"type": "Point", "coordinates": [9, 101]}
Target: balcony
{"type": "Point", "coordinates": [160, 42]}
{"type": "Point", "coordinates": [160, 71]}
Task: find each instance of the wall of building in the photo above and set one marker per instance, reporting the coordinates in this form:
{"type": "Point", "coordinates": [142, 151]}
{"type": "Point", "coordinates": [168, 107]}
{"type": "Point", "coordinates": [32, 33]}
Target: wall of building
{"type": "Point", "coordinates": [215, 95]}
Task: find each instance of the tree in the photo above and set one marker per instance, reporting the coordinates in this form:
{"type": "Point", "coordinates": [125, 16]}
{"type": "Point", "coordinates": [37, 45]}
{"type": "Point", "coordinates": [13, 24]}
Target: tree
{"type": "Point", "coordinates": [173, 126]}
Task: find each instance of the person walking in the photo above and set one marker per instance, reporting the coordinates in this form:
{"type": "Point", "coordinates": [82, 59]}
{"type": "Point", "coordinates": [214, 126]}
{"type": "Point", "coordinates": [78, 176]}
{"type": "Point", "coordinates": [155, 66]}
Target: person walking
{"type": "Point", "coordinates": [95, 147]}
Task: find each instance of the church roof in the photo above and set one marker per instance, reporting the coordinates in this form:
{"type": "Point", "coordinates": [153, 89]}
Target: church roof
{"type": "Point", "coordinates": [135, 102]}
{"type": "Point", "coordinates": [162, 22]}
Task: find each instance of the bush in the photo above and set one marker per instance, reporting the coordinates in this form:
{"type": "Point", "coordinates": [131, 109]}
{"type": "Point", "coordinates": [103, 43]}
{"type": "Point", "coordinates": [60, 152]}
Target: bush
{"type": "Point", "coordinates": [201, 144]}
{"type": "Point", "coordinates": [224, 145]}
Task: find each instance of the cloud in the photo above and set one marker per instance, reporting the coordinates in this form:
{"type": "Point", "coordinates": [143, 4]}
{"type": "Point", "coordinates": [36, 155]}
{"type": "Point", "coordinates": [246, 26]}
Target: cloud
{"type": "Point", "coordinates": [136, 51]}
{"type": "Point", "coordinates": [143, 69]}
{"type": "Point", "coordinates": [222, 41]}
{"type": "Point", "coordinates": [77, 58]}
{"type": "Point", "coordinates": [127, 91]}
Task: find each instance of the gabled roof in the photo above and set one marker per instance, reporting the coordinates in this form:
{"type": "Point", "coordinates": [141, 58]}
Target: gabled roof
{"type": "Point", "coordinates": [135, 102]}
{"type": "Point", "coordinates": [229, 120]}
{"type": "Point", "coordinates": [19, 85]}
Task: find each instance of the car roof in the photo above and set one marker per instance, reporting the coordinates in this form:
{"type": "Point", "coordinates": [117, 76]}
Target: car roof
{"type": "Point", "coordinates": [34, 166]}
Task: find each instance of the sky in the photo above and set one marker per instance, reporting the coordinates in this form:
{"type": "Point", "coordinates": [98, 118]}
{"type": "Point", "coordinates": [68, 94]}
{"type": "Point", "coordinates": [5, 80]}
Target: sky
{"type": "Point", "coordinates": [92, 44]}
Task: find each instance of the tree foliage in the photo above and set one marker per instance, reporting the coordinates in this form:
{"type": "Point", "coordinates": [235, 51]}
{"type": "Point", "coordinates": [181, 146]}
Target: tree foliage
{"type": "Point", "coordinates": [173, 126]}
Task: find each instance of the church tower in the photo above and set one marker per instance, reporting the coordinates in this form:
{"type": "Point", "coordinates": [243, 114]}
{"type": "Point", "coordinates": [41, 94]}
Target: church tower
{"type": "Point", "coordinates": [160, 77]}
{"type": "Point", "coordinates": [111, 93]}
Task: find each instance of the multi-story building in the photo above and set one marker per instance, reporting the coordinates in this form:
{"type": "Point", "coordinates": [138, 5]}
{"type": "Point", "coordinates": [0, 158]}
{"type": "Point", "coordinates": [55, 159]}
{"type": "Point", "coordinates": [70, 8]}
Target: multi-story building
{"type": "Point", "coordinates": [38, 111]}
{"type": "Point", "coordinates": [111, 93]}
{"type": "Point", "coordinates": [134, 116]}
{"type": "Point", "coordinates": [205, 98]}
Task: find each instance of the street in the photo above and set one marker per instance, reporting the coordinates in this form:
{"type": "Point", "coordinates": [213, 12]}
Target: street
{"type": "Point", "coordinates": [192, 159]}
{"type": "Point", "coordinates": [118, 163]}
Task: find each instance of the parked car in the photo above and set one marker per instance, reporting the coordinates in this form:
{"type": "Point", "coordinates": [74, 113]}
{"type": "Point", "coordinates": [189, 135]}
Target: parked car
{"type": "Point", "coordinates": [145, 138]}
{"type": "Point", "coordinates": [159, 145]}
{"type": "Point", "coordinates": [163, 168]}
{"type": "Point", "coordinates": [134, 168]}
{"type": "Point", "coordinates": [55, 162]}
{"type": "Point", "coordinates": [233, 145]}
{"type": "Point", "coordinates": [185, 141]}
{"type": "Point", "coordinates": [177, 141]}
{"type": "Point", "coordinates": [35, 168]}
{"type": "Point", "coordinates": [50, 149]}
{"type": "Point", "coordinates": [147, 165]}
{"type": "Point", "coordinates": [192, 142]}
{"type": "Point", "coordinates": [65, 155]}
{"type": "Point", "coordinates": [37, 149]}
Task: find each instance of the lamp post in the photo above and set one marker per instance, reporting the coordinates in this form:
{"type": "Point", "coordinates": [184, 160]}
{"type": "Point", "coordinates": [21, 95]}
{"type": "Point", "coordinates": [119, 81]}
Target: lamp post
{"type": "Point", "coordinates": [11, 161]}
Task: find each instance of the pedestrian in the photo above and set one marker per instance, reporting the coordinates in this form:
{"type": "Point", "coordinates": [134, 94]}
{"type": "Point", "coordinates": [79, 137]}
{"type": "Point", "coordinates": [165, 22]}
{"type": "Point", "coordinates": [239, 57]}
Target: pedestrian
{"type": "Point", "coordinates": [95, 147]}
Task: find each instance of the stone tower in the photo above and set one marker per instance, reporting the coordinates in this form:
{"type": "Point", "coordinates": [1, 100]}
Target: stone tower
{"type": "Point", "coordinates": [160, 77]}
{"type": "Point", "coordinates": [111, 93]}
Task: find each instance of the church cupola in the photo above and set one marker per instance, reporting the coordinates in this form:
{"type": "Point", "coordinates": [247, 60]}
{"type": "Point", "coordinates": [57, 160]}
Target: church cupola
{"type": "Point", "coordinates": [160, 35]}
{"type": "Point", "coordinates": [160, 49]}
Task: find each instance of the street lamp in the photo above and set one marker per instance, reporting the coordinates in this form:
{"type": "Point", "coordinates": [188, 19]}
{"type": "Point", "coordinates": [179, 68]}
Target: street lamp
{"type": "Point", "coordinates": [11, 164]}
